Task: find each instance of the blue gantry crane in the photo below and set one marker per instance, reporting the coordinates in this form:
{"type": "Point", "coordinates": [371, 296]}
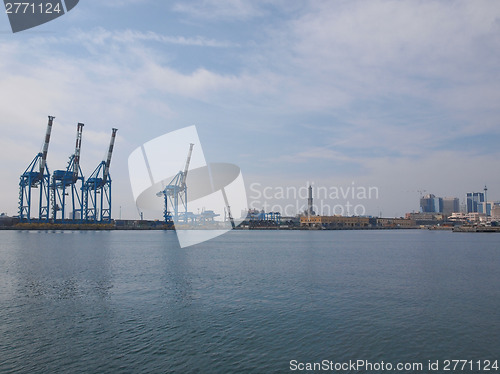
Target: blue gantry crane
{"type": "Point", "coordinates": [36, 175]}
{"type": "Point", "coordinates": [72, 179]}
{"type": "Point", "coordinates": [176, 192]}
{"type": "Point", "coordinates": [97, 189]}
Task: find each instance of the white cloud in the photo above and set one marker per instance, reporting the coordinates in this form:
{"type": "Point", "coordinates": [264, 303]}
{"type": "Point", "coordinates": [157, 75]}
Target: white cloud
{"type": "Point", "coordinates": [366, 48]}
{"type": "Point", "coordinates": [130, 36]}
{"type": "Point", "coordinates": [217, 9]}
{"type": "Point", "coordinates": [101, 37]}
{"type": "Point", "coordinates": [112, 83]}
{"type": "Point", "coordinates": [406, 76]}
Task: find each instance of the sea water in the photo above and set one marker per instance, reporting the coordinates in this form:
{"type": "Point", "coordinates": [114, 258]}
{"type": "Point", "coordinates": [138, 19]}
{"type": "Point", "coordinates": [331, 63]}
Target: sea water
{"type": "Point", "coordinates": [246, 302]}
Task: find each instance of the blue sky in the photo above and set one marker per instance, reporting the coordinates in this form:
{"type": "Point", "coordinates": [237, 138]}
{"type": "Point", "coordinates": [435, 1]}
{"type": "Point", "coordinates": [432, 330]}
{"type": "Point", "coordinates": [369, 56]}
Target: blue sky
{"type": "Point", "coordinates": [401, 95]}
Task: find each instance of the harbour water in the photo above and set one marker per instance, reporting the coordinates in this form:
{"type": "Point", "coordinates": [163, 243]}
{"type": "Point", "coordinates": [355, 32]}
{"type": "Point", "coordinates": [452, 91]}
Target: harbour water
{"type": "Point", "coordinates": [246, 302]}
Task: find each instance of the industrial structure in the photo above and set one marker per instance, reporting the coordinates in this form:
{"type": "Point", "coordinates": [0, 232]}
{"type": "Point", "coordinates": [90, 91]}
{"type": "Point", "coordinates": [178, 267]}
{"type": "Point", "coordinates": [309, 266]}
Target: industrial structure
{"type": "Point", "coordinates": [90, 201]}
{"type": "Point", "coordinates": [253, 215]}
{"type": "Point", "coordinates": [97, 190]}
{"type": "Point", "coordinates": [176, 192]}
{"type": "Point", "coordinates": [36, 175]}
{"type": "Point", "coordinates": [71, 178]}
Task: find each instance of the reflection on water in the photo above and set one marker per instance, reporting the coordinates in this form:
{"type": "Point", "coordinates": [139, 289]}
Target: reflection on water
{"type": "Point", "coordinates": [177, 276]}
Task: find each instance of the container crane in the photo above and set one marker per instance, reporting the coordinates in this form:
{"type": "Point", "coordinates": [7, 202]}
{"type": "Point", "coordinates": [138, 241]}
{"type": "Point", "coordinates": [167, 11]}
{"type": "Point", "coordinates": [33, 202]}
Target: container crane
{"type": "Point", "coordinates": [36, 175]}
{"type": "Point", "coordinates": [97, 189]}
{"type": "Point", "coordinates": [175, 192]}
{"type": "Point", "coordinates": [69, 178]}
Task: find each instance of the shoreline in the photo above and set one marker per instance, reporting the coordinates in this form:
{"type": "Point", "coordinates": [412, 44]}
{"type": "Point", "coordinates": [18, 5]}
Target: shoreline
{"type": "Point", "coordinates": [145, 225]}
{"type": "Point", "coordinates": [112, 227]}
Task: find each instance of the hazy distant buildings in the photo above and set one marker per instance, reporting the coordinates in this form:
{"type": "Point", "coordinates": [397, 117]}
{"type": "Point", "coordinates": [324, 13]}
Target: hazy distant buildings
{"type": "Point", "coordinates": [475, 202]}
{"type": "Point", "coordinates": [341, 222]}
{"type": "Point", "coordinates": [450, 205]}
{"type": "Point", "coordinates": [495, 212]}
{"type": "Point", "coordinates": [425, 218]}
{"type": "Point", "coordinates": [431, 204]}
{"type": "Point", "coordinates": [489, 207]}
{"type": "Point", "coordinates": [5, 220]}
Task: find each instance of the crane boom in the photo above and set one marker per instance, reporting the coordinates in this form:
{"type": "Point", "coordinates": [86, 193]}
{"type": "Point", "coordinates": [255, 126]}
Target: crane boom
{"type": "Point", "coordinates": [188, 160]}
{"type": "Point", "coordinates": [110, 152]}
{"type": "Point", "coordinates": [78, 147]}
{"type": "Point", "coordinates": [45, 149]}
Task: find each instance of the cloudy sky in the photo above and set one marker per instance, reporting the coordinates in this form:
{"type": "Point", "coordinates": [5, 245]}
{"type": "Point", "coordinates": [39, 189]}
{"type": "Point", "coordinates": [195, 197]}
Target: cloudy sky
{"type": "Point", "coordinates": [403, 96]}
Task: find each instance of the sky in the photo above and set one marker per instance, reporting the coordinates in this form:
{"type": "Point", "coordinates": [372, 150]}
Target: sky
{"type": "Point", "coordinates": [398, 96]}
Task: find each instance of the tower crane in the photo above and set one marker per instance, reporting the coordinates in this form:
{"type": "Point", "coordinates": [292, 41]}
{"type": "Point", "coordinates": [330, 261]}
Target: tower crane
{"type": "Point", "coordinates": [36, 175]}
{"type": "Point", "coordinates": [97, 189]}
{"type": "Point", "coordinates": [69, 178]}
{"type": "Point", "coordinates": [175, 192]}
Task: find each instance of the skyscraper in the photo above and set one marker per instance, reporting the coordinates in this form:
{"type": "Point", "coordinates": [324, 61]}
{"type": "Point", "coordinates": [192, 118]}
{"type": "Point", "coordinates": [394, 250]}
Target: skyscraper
{"type": "Point", "coordinates": [431, 204]}
{"type": "Point", "coordinates": [475, 202]}
{"type": "Point", "coordinates": [450, 205]}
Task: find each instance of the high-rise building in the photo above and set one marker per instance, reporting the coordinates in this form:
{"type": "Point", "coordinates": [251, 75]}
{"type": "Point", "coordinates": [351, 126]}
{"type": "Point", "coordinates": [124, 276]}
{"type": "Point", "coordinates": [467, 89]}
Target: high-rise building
{"type": "Point", "coordinates": [475, 202]}
{"type": "Point", "coordinates": [431, 204]}
{"type": "Point", "coordinates": [488, 205]}
{"type": "Point", "coordinates": [450, 205]}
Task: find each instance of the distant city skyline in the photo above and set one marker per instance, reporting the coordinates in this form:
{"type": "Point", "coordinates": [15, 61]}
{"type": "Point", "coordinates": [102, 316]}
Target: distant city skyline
{"type": "Point", "coordinates": [398, 96]}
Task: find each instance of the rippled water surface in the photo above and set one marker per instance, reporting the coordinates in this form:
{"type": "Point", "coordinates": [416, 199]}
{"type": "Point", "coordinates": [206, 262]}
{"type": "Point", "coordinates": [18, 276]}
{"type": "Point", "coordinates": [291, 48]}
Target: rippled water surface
{"type": "Point", "coordinates": [247, 302]}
